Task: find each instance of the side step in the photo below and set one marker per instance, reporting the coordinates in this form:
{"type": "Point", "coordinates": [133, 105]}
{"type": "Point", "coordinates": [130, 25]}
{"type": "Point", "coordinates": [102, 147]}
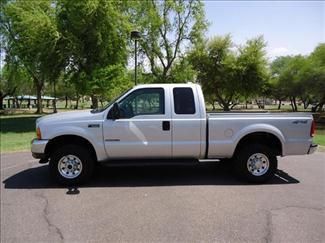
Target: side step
{"type": "Point", "coordinates": [156, 162]}
{"type": "Point", "coordinates": [209, 160]}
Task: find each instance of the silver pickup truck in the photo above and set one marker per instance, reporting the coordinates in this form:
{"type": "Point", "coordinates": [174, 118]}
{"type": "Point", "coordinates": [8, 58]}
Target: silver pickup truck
{"type": "Point", "coordinates": [168, 122]}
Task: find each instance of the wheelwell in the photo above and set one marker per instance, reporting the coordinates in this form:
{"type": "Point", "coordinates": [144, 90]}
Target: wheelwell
{"type": "Point", "coordinates": [264, 138]}
{"type": "Point", "coordinates": [69, 139]}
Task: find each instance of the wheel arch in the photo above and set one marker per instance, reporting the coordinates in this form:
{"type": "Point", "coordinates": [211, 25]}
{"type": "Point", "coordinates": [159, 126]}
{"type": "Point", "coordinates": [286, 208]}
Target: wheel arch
{"type": "Point", "coordinates": [265, 138]}
{"type": "Point", "coordinates": [59, 141]}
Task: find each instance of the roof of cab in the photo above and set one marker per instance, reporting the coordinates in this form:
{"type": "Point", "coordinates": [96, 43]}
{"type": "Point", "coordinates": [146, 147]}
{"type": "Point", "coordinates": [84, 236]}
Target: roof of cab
{"type": "Point", "coordinates": [166, 85]}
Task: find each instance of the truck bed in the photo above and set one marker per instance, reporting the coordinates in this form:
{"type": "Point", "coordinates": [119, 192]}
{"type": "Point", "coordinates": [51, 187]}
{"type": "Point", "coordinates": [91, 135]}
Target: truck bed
{"type": "Point", "coordinates": [225, 129]}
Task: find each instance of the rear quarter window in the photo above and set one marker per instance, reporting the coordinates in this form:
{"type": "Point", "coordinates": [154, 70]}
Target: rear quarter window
{"type": "Point", "coordinates": [184, 101]}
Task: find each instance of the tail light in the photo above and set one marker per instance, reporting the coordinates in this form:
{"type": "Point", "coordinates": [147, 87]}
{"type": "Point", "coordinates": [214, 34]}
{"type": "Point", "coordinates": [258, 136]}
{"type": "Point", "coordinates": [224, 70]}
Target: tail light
{"type": "Point", "coordinates": [313, 129]}
{"type": "Point", "coordinates": [38, 133]}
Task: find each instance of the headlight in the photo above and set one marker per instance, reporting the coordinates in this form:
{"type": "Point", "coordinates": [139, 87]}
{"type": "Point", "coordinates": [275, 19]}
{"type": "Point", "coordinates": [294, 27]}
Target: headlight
{"type": "Point", "coordinates": [38, 133]}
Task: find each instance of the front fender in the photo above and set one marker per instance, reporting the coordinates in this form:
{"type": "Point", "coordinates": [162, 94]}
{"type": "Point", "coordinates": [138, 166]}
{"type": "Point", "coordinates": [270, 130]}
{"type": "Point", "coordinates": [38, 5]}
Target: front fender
{"type": "Point", "coordinates": [95, 138]}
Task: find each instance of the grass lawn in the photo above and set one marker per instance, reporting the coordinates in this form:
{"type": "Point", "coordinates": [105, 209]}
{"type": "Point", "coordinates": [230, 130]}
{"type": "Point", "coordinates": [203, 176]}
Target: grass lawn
{"type": "Point", "coordinates": [320, 136]}
{"type": "Point", "coordinates": [320, 139]}
{"type": "Point", "coordinates": [17, 131]}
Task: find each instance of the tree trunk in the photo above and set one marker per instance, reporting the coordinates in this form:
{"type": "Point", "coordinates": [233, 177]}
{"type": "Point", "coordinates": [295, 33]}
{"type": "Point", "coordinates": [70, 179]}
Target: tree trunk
{"type": "Point", "coordinates": [1, 102]}
{"type": "Point", "coordinates": [3, 95]}
{"type": "Point", "coordinates": [320, 107]}
{"type": "Point", "coordinates": [280, 103]}
{"type": "Point", "coordinates": [226, 107]}
{"type": "Point", "coordinates": [66, 102]}
{"type": "Point", "coordinates": [213, 106]}
{"type": "Point", "coordinates": [55, 110]}
{"type": "Point", "coordinates": [306, 104]}
{"type": "Point", "coordinates": [258, 104]}
{"type": "Point", "coordinates": [233, 105]}
{"type": "Point", "coordinates": [94, 101]}
{"type": "Point", "coordinates": [20, 102]}
{"type": "Point", "coordinates": [293, 103]}
{"type": "Point", "coordinates": [224, 103]}
{"type": "Point", "coordinates": [77, 102]}
{"type": "Point", "coordinates": [16, 105]}
{"type": "Point", "coordinates": [39, 99]}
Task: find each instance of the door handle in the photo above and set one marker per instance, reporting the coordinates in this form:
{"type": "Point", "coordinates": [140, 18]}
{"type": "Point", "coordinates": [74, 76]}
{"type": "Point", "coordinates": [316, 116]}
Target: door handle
{"type": "Point", "coordinates": [166, 125]}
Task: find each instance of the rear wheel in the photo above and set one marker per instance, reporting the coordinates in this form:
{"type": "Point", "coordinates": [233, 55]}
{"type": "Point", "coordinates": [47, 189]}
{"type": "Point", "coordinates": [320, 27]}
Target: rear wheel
{"type": "Point", "coordinates": [71, 165]}
{"type": "Point", "coordinates": [256, 163]}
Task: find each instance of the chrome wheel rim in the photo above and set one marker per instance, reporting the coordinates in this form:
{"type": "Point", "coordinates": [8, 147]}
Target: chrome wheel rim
{"type": "Point", "coordinates": [258, 164]}
{"type": "Point", "coordinates": [70, 166]}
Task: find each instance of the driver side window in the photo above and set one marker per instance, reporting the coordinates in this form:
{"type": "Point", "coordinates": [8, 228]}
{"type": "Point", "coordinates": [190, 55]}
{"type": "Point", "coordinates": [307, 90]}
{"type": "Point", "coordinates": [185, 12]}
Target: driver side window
{"type": "Point", "coordinates": [148, 101]}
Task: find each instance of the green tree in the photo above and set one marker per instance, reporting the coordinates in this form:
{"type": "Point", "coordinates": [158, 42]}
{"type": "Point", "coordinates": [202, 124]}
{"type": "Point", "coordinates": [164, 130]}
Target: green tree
{"type": "Point", "coordinates": [215, 63]}
{"type": "Point", "coordinates": [14, 81]}
{"type": "Point", "coordinates": [251, 68]}
{"type": "Point", "coordinates": [317, 75]}
{"type": "Point", "coordinates": [278, 91]}
{"type": "Point", "coordinates": [8, 84]}
{"type": "Point", "coordinates": [227, 74]}
{"type": "Point", "coordinates": [289, 72]}
{"type": "Point", "coordinates": [97, 34]}
{"type": "Point", "coordinates": [167, 29]}
{"type": "Point", "coordinates": [31, 33]}
{"type": "Point", "coordinates": [109, 82]}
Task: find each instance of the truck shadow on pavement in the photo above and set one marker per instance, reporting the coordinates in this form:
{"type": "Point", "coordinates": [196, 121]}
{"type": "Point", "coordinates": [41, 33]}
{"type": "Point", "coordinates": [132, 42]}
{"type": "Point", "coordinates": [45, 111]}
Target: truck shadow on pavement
{"type": "Point", "coordinates": [139, 176]}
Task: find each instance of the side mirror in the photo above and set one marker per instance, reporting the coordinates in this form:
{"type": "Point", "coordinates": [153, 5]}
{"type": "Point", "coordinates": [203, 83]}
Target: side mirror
{"type": "Point", "coordinates": [114, 112]}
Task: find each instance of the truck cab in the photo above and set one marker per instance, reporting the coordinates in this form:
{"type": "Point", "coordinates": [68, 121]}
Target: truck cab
{"type": "Point", "coordinates": [152, 125]}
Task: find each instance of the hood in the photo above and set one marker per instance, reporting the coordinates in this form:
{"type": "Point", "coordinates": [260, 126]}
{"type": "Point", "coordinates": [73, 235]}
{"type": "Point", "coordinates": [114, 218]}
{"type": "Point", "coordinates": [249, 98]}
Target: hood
{"type": "Point", "coordinates": [69, 116]}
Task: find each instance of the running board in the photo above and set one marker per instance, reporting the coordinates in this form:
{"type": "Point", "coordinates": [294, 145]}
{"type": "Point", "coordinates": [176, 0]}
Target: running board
{"type": "Point", "coordinates": [153, 162]}
{"type": "Point", "coordinates": [209, 160]}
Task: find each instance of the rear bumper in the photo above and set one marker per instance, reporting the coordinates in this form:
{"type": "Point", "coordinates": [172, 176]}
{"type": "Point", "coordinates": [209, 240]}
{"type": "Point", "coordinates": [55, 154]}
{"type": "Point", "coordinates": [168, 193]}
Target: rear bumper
{"type": "Point", "coordinates": [38, 148]}
{"type": "Point", "coordinates": [312, 148]}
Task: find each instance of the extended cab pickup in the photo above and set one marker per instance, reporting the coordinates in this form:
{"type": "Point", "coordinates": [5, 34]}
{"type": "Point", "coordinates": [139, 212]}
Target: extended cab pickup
{"type": "Point", "coordinates": [168, 121]}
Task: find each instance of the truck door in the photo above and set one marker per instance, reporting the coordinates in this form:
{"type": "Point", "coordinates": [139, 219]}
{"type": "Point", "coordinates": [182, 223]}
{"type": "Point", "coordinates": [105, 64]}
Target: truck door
{"type": "Point", "coordinates": [143, 130]}
{"type": "Point", "coordinates": [186, 123]}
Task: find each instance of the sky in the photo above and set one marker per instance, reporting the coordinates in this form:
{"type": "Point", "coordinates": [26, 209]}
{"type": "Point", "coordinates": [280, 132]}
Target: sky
{"type": "Point", "coordinates": [288, 27]}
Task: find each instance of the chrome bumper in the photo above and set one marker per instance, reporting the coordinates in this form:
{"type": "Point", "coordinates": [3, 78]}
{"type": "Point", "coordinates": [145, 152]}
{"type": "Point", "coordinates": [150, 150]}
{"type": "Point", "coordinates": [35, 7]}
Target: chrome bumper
{"type": "Point", "coordinates": [312, 148]}
{"type": "Point", "coordinates": [38, 148]}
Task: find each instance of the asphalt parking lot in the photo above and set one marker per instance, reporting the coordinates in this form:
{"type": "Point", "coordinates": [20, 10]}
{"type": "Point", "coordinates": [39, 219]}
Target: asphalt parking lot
{"type": "Point", "coordinates": [163, 204]}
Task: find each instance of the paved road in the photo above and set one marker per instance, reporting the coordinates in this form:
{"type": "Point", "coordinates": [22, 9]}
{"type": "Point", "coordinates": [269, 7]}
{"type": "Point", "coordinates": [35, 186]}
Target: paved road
{"type": "Point", "coordinates": [163, 204]}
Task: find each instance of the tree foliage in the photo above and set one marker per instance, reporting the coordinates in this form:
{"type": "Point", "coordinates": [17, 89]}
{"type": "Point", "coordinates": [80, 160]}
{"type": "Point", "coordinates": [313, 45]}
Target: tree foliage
{"type": "Point", "coordinates": [317, 75]}
{"type": "Point", "coordinates": [300, 77]}
{"type": "Point", "coordinates": [225, 73]}
{"type": "Point", "coordinates": [96, 34]}
{"type": "Point", "coordinates": [84, 47]}
{"type": "Point", "coordinates": [31, 34]}
{"type": "Point", "coordinates": [111, 81]}
{"type": "Point", "coordinates": [167, 29]}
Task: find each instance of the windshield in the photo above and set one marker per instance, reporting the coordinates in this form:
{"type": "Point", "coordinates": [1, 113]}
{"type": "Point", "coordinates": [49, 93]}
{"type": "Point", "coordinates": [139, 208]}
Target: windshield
{"type": "Point", "coordinates": [97, 110]}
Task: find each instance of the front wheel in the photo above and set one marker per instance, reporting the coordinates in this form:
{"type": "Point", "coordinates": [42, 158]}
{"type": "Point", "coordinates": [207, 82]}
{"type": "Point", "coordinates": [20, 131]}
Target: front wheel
{"type": "Point", "coordinates": [71, 165]}
{"type": "Point", "coordinates": [256, 163]}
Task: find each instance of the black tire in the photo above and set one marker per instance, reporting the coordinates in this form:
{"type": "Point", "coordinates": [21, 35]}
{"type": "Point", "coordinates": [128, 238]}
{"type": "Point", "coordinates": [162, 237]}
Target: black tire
{"type": "Point", "coordinates": [73, 153]}
{"type": "Point", "coordinates": [245, 166]}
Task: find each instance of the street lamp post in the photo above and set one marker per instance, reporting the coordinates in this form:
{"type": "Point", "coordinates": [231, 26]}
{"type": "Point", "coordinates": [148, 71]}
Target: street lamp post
{"type": "Point", "coordinates": [135, 35]}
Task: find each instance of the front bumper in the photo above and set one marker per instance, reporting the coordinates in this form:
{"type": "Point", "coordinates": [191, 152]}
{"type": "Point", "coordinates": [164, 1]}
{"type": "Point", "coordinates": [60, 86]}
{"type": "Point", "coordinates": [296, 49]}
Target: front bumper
{"type": "Point", "coordinates": [38, 148]}
{"type": "Point", "coordinates": [312, 148]}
